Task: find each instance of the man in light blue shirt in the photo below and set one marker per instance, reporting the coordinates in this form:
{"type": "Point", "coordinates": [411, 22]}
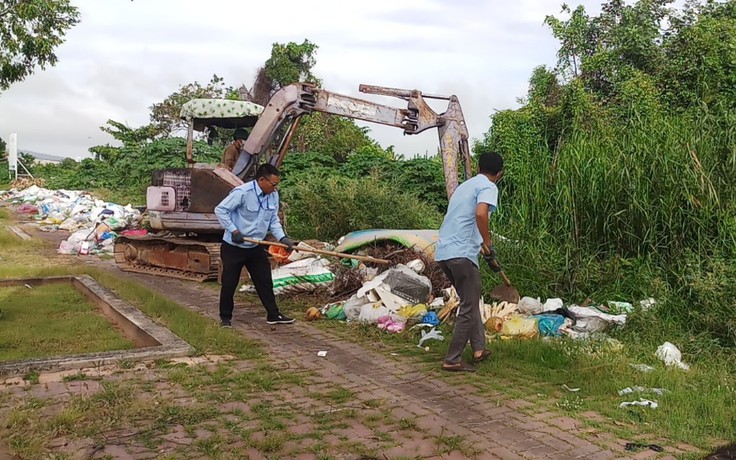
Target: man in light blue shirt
{"type": "Point", "coordinates": [463, 234]}
{"type": "Point", "coordinates": [250, 211]}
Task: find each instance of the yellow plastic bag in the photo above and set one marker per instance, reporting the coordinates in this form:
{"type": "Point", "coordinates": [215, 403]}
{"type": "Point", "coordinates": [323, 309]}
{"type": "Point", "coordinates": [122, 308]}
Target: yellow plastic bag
{"type": "Point", "coordinates": [411, 311]}
{"type": "Point", "coordinates": [521, 327]}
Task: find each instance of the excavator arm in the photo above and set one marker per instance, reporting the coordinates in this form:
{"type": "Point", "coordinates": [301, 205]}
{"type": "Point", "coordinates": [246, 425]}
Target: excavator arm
{"type": "Point", "coordinates": [288, 104]}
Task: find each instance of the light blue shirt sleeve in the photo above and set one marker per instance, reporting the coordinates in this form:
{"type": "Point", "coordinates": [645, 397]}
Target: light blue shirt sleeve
{"type": "Point", "coordinates": [489, 195]}
{"type": "Point", "coordinates": [226, 207]}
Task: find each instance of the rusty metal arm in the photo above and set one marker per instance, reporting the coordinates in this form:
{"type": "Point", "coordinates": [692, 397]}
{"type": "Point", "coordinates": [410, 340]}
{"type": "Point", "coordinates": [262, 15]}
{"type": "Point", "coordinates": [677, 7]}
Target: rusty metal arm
{"type": "Point", "coordinates": [290, 101]}
{"type": "Point", "coordinates": [453, 131]}
{"type": "Point", "coordinates": [297, 99]}
{"type": "Point", "coordinates": [350, 107]}
{"type": "Point", "coordinates": [190, 143]}
{"type": "Point", "coordinates": [454, 146]}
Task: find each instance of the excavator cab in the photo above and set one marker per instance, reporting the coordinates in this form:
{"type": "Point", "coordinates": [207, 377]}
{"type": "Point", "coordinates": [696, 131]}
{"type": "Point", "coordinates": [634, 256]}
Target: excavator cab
{"type": "Point", "coordinates": [181, 201]}
{"type": "Point", "coordinates": [184, 199]}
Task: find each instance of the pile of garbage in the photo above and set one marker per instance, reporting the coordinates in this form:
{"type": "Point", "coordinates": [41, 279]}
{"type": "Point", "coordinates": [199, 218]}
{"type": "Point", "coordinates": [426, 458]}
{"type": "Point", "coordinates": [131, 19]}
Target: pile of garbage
{"type": "Point", "coordinates": [404, 297]}
{"type": "Point", "coordinates": [93, 223]}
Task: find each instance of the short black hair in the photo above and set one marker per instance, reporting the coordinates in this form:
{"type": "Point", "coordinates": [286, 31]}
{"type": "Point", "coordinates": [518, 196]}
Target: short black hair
{"type": "Point", "coordinates": [490, 163]}
{"type": "Point", "coordinates": [267, 170]}
{"type": "Point", "coordinates": [240, 133]}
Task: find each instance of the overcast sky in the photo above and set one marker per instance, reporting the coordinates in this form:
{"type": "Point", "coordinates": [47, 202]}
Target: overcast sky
{"type": "Point", "coordinates": [126, 55]}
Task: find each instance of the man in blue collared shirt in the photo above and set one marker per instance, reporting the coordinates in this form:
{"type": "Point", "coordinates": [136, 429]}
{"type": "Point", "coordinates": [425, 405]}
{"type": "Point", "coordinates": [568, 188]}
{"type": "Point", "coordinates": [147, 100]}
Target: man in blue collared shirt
{"type": "Point", "coordinates": [250, 211]}
{"type": "Point", "coordinates": [463, 234]}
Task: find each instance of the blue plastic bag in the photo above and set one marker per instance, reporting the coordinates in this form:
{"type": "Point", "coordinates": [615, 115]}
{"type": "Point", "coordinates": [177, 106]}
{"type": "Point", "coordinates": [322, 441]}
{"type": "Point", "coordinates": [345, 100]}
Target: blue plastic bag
{"type": "Point", "coordinates": [431, 318]}
{"type": "Point", "coordinates": [549, 325]}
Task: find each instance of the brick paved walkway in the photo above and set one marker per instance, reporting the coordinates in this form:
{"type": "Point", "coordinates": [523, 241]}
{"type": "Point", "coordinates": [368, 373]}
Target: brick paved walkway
{"type": "Point", "coordinates": [443, 407]}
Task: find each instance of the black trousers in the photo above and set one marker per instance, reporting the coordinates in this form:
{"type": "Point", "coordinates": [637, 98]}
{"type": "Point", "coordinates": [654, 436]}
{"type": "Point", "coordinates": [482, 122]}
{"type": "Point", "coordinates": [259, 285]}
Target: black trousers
{"type": "Point", "coordinates": [255, 260]}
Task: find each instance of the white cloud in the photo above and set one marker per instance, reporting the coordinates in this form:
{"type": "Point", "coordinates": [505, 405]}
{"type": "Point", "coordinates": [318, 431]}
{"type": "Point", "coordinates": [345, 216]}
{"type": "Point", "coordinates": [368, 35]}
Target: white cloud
{"type": "Point", "coordinates": [125, 56]}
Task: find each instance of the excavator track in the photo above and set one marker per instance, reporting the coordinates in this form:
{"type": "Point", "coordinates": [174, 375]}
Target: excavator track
{"type": "Point", "coordinates": [167, 256]}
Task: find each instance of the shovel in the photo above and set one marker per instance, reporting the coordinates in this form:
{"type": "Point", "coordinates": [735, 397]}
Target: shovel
{"type": "Point", "coordinates": [506, 291]}
{"type": "Point", "coordinates": [341, 255]}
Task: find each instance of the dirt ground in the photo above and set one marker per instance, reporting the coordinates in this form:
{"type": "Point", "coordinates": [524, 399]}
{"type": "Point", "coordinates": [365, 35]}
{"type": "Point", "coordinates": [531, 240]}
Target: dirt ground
{"type": "Point", "coordinates": [357, 402]}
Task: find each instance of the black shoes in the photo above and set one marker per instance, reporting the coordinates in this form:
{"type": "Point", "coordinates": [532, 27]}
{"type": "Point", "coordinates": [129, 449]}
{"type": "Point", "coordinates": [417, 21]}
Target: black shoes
{"type": "Point", "coordinates": [279, 319]}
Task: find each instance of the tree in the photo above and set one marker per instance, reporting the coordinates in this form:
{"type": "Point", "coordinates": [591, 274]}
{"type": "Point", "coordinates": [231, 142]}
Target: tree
{"type": "Point", "coordinates": [337, 137]}
{"type": "Point", "coordinates": [129, 137]}
{"type": "Point", "coordinates": [165, 115]}
{"type": "Point", "coordinates": [30, 31]}
{"type": "Point", "coordinates": [3, 146]}
{"type": "Point", "coordinates": [701, 56]}
{"type": "Point", "coordinates": [288, 63]}
{"type": "Point", "coordinates": [291, 63]}
{"type": "Point", "coordinates": [607, 49]}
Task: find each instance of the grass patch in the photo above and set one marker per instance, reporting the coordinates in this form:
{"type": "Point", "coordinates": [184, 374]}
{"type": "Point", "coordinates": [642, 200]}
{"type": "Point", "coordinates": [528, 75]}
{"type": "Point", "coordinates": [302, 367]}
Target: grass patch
{"type": "Point", "coordinates": [226, 384]}
{"type": "Point", "coordinates": [27, 259]}
{"type": "Point", "coordinates": [53, 320]}
{"type": "Point", "coordinates": [695, 410]}
{"type": "Point", "coordinates": [29, 431]}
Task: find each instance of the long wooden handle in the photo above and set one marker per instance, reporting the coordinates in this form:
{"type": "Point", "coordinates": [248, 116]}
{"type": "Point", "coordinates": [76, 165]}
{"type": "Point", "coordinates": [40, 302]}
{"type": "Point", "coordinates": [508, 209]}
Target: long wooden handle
{"type": "Point", "coordinates": [321, 251]}
{"type": "Point", "coordinates": [504, 278]}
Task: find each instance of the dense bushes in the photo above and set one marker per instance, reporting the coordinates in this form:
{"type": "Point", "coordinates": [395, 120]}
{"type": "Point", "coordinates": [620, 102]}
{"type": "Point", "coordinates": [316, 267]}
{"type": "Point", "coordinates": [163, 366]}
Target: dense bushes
{"type": "Point", "coordinates": [328, 207]}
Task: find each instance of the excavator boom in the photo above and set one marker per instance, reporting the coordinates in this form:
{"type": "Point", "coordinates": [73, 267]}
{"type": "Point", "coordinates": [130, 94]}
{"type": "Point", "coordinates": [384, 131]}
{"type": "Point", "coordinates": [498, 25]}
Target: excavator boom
{"type": "Point", "coordinates": [297, 99]}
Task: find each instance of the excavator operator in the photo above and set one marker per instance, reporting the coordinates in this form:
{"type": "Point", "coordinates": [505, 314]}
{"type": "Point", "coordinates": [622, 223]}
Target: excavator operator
{"type": "Point", "coordinates": [234, 158]}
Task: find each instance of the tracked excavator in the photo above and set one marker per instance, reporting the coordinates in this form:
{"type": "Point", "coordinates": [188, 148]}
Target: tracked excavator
{"type": "Point", "coordinates": [186, 237]}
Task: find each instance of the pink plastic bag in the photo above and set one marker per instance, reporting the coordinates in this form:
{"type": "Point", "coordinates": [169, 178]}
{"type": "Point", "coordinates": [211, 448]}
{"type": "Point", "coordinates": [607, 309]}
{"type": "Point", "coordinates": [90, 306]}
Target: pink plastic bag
{"type": "Point", "coordinates": [137, 232]}
{"type": "Point", "coordinates": [27, 208]}
{"type": "Point", "coordinates": [385, 322]}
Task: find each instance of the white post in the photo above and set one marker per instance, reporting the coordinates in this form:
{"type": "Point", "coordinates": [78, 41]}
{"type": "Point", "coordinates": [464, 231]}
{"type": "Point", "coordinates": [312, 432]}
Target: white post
{"type": "Point", "coordinates": [13, 156]}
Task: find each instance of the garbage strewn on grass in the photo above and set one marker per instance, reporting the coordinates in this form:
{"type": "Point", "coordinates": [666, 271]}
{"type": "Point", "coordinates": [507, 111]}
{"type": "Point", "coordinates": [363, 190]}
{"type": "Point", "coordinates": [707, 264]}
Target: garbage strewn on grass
{"type": "Point", "coordinates": [412, 296]}
{"type": "Point", "coordinates": [93, 223]}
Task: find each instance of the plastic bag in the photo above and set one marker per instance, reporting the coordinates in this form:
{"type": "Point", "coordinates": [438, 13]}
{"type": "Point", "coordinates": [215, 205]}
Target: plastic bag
{"type": "Point", "coordinates": [65, 247]}
{"type": "Point", "coordinates": [549, 325]}
{"type": "Point", "coordinates": [640, 402]}
{"type": "Point", "coordinates": [279, 254]}
{"type": "Point", "coordinates": [27, 208]}
{"type": "Point", "coordinates": [432, 334]}
{"type": "Point", "coordinates": [407, 284]}
{"type": "Point", "coordinates": [581, 312]}
{"type": "Point", "coordinates": [369, 313]}
{"type": "Point", "coordinates": [590, 324]}
{"type": "Point", "coordinates": [520, 326]}
{"type": "Point", "coordinates": [353, 305]}
{"type": "Point", "coordinates": [334, 310]}
{"type": "Point", "coordinates": [79, 236]}
{"type": "Point", "coordinates": [552, 304]}
{"type": "Point", "coordinates": [430, 318]}
{"type": "Point", "coordinates": [410, 311]}
{"type": "Point", "coordinates": [390, 325]}
{"type": "Point", "coordinates": [417, 265]}
{"type": "Point", "coordinates": [671, 356]}
{"type": "Point", "coordinates": [299, 255]}
{"type": "Point", "coordinates": [301, 276]}
{"type": "Point", "coordinates": [529, 306]}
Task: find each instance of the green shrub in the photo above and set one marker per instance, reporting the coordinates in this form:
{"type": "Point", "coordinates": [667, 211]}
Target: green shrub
{"type": "Point", "coordinates": [326, 208]}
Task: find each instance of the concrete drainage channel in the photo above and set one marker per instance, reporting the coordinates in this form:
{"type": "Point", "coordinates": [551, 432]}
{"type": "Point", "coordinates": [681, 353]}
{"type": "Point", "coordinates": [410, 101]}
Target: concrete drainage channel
{"type": "Point", "coordinates": [152, 340]}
